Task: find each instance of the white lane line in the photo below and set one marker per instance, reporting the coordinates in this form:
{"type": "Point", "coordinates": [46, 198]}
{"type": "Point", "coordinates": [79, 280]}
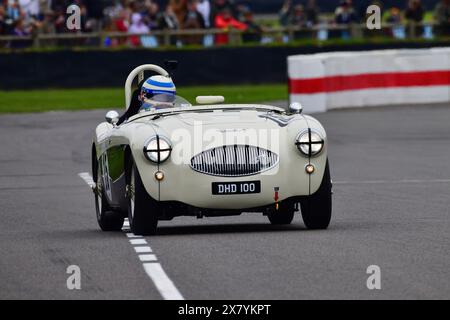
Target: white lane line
{"type": "Point", "coordinates": [86, 176]}
{"type": "Point", "coordinates": [403, 181]}
{"type": "Point", "coordinates": [143, 249]}
{"type": "Point", "coordinates": [162, 282]}
{"type": "Point", "coordinates": [137, 241]}
{"type": "Point", "coordinates": [147, 257]}
{"type": "Point", "coordinates": [132, 235]}
{"type": "Point", "coordinates": [154, 270]}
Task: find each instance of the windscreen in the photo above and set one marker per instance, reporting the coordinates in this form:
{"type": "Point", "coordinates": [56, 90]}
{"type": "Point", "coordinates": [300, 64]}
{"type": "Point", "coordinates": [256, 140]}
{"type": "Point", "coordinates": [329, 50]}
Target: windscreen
{"type": "Point", "coordinates": [164, 101]}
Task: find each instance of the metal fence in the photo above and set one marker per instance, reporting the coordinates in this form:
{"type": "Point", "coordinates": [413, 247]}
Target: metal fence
{"type": "Point", "coordinates": [209, 37]}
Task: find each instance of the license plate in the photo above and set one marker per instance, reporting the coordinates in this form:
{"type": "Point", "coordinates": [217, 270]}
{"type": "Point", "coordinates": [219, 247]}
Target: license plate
{"type": "Point", "coordinates": [225, 188]}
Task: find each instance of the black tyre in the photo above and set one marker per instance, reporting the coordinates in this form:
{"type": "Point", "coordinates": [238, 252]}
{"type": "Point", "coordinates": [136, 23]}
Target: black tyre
{"type": "Point", "coordinates": [142, 209]}
{"type": "Point", "coordinates": [283, 216]}
{"type": "Point", "coordinates": [316, 209]}
{"type": "Point", "coordinates": [108, 219]}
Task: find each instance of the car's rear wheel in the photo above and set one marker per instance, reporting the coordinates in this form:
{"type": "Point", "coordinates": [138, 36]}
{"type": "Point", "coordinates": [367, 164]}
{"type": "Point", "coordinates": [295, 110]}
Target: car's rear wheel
{"type": "Point", "coordinates": [108, 219]}
{"type": "Point", "coordinates": [316, 209]}
{"type": "Point", "coordinates": [283, 216]}
{"type": "Point", "coordinates": [142, 209]}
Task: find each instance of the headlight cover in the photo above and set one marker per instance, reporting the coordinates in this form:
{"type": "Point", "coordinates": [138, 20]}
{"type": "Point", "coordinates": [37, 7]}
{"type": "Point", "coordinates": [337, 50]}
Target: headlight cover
{"type": "Point", "coordinates": [309, 143]}
{"type": "Point", "coordinates": [157, 149]}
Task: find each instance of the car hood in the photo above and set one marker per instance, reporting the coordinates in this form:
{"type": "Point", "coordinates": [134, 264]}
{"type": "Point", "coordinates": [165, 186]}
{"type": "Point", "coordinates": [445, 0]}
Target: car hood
{"type": "Point", "coordinates": [225, 120]}
{"type": "Point", "coordinates": [205, 130]}
{"type": "Point", "coordinates": [190, 133]}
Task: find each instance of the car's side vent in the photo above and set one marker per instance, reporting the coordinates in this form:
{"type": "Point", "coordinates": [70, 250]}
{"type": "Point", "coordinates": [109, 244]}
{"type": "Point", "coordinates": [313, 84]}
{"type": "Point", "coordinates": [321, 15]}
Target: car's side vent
{"type": "Point", "coordinates": [234, 161]}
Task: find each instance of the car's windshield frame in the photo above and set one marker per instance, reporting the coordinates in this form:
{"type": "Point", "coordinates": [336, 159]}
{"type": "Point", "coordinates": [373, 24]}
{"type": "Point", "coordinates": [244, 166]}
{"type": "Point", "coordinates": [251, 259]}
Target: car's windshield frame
{"type": "Point", "coordinates": [155, 114]}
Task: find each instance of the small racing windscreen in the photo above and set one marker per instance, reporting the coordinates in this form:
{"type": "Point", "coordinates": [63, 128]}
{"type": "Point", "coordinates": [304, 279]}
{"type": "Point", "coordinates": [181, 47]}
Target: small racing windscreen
{"type": "Point", "coordinates": [164, 101]}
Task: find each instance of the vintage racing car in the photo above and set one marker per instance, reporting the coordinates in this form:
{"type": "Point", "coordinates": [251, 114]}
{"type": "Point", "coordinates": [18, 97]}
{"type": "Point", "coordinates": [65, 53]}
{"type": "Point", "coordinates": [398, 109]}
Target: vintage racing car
{"type": "Point", "coordinates": [208, 160]}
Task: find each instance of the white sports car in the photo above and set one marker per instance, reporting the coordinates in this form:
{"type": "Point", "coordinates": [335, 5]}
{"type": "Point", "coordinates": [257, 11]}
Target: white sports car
{"type": "Point", "coordinates": [209, 160]}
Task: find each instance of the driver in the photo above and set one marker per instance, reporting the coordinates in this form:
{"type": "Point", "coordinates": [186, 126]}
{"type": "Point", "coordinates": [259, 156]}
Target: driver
{"type": "Point", "coordinates": [157, 92]}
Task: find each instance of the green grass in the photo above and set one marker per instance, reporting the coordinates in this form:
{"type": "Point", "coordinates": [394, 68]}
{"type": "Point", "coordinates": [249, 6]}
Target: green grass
{"type": "Point", "coordinates": [86, 99]}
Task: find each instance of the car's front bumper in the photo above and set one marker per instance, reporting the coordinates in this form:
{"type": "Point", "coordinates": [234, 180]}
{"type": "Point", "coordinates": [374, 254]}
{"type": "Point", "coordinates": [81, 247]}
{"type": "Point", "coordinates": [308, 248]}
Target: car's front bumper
{"type": "Point", "coordinates": [171, 209]}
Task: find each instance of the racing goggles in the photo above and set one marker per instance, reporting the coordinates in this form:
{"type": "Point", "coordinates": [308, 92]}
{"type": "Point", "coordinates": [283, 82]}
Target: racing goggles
{"type": "Point", "coordinates": [159, 96]}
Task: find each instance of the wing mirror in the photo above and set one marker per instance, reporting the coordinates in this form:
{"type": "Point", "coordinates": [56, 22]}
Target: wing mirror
{"type": "Point", "coordinates": [296, 107]}
{"type": "Point", "coordinates": [112, 117]}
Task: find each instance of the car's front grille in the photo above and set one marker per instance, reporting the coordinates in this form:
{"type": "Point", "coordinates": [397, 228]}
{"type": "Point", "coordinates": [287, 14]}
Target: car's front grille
{"type": "Point", "coordinates": [234, 161]}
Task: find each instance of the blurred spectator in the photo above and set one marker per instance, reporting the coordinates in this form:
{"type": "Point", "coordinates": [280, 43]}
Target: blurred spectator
{"type": "Point", "coordinates": [122, 16]}
{"type": "Point", "coordinates": [47, 25]}
{"type": "Point", "coordinates": [345, 15]}
{"type": "Point", "coordinates": [414, 15]}
{"type": "Point", "coordinates": [169, 20]}
{"type": "Point", "coordinates": [179, 8]}
{"type": "Point", "coordinates": [220, 5]}
{"type": "Point", "coordinates": [224, 20]}
{"type": "Point", "coordinates": [20, 29]}
{"type": "Point", "coordinates": [87, 25]}
{"type": "Point", "coordinates": [60, 20]}
{"type": "Point", "coordinates": [217, 6]}
{"type": "Point", "coordinates": [394, 16]}
{"type": "Point", "coordinates": [415, 11]}
{"type": "Point", "coordinates": [285, 13]}
{"type": "Point", "coordinates": [13, 10]}
{"type": "Point", "coordinates": [204, 8]}
{"type": "Point", "coordinates": [193, 20]}
{"type": "Point", "coordinates": [299, 18]}
{"type": "Point", "coordinates": [30, 7]}
{"type": "Point", "coordinates": [137, 25]}
{"type": "Point", "coordinates": [253, 33]}
{"type": "Point", "coordinates": [442, 17]}
{"type": "Point", "coordinates": [312, 13]}
{"type": "Point", "coordinates": [152, 16]}
{"type": "Point", "coordinates": [44, 6]}
{"type": "Point", "coordinates": [3, 18]}
{"type": "Point", "coordinates": [293, 15]}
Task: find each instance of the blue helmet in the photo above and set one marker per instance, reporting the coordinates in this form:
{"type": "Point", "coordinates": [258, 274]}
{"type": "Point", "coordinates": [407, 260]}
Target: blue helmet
{"type": "Point", "coordinates": [158, 85]}
{"type": "Point", "coordinates": [158, 91]}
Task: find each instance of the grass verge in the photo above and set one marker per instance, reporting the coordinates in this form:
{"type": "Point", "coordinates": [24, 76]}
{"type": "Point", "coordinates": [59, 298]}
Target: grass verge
{"type": "Point", "coordinates": [18, 101]}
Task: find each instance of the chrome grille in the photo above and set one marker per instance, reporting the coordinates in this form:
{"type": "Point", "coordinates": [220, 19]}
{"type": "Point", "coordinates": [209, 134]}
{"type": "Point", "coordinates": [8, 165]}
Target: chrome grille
{"type": "Point", "coordinates": [234, 161]}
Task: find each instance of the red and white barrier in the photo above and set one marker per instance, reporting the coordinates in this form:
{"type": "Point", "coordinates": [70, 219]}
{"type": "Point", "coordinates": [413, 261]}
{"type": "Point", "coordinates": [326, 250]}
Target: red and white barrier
{"type": "Point", "coordinates": [325, 81]}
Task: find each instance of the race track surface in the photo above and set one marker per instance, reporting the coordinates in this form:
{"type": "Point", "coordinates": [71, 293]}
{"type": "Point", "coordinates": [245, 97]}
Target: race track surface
{"type": "Point", "coordinates": [391, 173]}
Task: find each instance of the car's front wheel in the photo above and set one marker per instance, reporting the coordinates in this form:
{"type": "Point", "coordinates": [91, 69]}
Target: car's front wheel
{"type": "Point", "coordinates": [142, 209]}
{"type": "Point", "coordinates": [316, 209]}
{"type": "Point", "coordinates": [108, 219]}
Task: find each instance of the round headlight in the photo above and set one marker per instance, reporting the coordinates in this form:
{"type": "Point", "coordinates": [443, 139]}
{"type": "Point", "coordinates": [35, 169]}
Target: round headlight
{"type": "Point", "coordinates": [309, 143]}
{"type": "Point", "coordinates": [157, 149]}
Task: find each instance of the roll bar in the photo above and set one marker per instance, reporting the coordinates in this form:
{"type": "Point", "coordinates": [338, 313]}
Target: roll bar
{"type": "Point", "coordinates": [139, 71]}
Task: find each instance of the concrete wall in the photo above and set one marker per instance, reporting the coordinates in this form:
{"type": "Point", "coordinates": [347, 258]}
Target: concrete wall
{"type": "Point", "coordinates": [373, 78]}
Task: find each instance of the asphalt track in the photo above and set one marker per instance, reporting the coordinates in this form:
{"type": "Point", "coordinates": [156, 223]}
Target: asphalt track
{"type": "Point", "coordinates": [391, 168]}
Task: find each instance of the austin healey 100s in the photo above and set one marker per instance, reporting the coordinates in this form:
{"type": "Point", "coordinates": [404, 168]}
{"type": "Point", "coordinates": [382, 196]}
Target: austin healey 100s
{"type": "Point", "coordinates": [206, 160]}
